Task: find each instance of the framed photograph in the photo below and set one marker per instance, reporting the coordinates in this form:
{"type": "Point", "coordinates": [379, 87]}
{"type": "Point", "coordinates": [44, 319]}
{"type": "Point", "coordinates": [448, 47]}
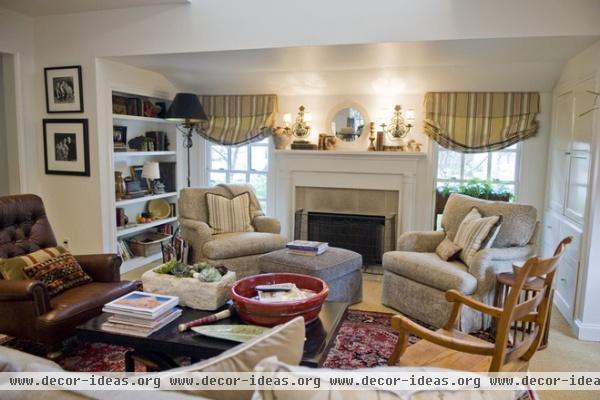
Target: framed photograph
{"type": "Point", "coordinates": [136, 175]}
{"type": "Point", "coordinates": [64, 93]}
{"type": "Point", "coordinates": [66, 147]}
{"type": "Point", "coordinates": [119, 138]}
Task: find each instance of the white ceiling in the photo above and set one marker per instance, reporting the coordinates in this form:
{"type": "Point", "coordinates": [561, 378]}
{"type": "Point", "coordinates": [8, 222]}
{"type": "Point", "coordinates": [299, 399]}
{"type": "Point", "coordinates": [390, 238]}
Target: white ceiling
{"type": "Point", "coordinates": [387, 68]}
{"type": "Point", "coordinates": [39, 8]}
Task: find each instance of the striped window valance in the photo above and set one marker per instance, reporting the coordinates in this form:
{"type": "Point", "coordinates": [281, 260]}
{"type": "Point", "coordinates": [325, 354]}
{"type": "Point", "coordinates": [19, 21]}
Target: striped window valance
{"type": "Point", "coordinates": [480, 121]}
{"type": "Point", "coordinates": [234, 120]}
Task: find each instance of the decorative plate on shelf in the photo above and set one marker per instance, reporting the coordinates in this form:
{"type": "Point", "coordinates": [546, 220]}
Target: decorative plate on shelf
{"type": "Point", "coordinates": [235, 333]}
{"type": "Point", "coordinates": [159, 208]}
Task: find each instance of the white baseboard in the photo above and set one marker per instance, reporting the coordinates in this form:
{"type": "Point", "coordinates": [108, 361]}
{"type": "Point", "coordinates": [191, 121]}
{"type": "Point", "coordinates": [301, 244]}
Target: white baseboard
{"type": "Point", "coordinates": [585, 331]}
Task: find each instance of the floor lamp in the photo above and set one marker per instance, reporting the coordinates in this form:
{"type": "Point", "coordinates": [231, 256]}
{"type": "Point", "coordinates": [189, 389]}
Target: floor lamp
{"type": "Point", "coordinates": [187, 111]}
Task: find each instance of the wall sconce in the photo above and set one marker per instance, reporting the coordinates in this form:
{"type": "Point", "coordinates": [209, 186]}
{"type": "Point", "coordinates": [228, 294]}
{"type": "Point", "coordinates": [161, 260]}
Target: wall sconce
{"type": "Point", "coordinates": [400, 125]}
{"type": "Point", "coordinates": [300, 128]}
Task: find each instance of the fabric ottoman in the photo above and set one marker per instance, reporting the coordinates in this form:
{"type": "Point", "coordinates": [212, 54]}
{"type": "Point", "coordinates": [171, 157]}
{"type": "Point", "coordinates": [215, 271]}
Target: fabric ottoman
{"type": "Point", "coordinates": [340, 268]}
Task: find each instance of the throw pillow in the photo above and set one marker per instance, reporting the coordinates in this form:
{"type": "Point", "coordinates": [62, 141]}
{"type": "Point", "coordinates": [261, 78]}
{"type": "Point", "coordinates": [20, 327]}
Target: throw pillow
{"type": "Point", "coordinates": [285, 341]}
{"type": "Point", "coordinates": [12, 268]}
{"type": "Point", "coordinates": [229, 215]}
{"type": "Point", "coordinates": [280, 371]}
{"type": "Point", "coordinates": [447, 250]}
{"type": "Point", "coordinates": [473, 232]}
{"type": "Point", "coordinates": [58, 273]}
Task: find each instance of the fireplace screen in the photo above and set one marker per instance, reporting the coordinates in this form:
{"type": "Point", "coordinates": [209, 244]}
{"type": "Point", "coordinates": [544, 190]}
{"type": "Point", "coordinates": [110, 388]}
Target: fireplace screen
{"type": "Point", "coordinates": [363, 234]}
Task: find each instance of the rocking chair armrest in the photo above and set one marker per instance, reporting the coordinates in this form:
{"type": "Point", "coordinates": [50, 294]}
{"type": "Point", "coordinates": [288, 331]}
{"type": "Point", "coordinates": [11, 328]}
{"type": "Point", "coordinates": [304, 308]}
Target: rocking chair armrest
{"type": "Point", "coordinates": [448, 340]}
{"type": "Point", "coordinates": [454, 296]}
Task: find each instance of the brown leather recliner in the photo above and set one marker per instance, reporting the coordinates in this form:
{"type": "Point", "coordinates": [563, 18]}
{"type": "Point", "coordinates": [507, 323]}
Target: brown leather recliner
{"type": "Point", "coordinates": [26, 310]}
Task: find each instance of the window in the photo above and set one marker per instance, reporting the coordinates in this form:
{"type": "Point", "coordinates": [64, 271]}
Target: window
{"type": "Point", "coordinates": [240, 164]}
{"type": "Point", "coordinates": [500, 167]}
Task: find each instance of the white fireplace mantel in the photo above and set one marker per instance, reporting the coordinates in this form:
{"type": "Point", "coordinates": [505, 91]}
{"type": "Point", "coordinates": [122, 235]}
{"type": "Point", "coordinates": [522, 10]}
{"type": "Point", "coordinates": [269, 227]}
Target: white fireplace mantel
{"type": "Point", "coordinates": [395, 171]}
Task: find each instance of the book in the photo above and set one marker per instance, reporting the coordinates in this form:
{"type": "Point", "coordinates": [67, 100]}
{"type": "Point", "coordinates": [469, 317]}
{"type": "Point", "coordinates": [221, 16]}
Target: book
{"type": "Point", "coordinates": [307, 245]}
{"type": "Point", "coordinates": [136, 330]}
{"type": "Point", "coordinates": [142, 304]}
{"type": "Point", "coordinates": [306, 252]}
{"type": "Point", "coordinates": [145, 323]}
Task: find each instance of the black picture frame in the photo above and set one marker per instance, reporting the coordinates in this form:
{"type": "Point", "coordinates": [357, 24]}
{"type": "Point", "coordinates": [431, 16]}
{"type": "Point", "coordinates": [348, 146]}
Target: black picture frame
{"type": "Point", "coordinates": [77, 153]}
{"type": "Point", "coordinates": [69, 76]}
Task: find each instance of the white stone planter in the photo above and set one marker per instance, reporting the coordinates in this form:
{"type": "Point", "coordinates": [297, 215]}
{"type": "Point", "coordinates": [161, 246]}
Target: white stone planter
{"type": "Point", "coordinates": [191, 292]}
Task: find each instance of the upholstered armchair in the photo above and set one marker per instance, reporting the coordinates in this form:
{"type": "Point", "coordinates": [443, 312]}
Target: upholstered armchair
{"type": "Point", "coordinates": [238, 251]}
{"type": "Point", "coordinates": [415, 278]}
{"type": "Point", "coordinates": [26, 309]}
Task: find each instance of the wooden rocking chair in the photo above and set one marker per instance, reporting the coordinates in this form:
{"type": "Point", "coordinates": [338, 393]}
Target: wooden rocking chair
{"type": "Point", "coordinates": [452, 349]}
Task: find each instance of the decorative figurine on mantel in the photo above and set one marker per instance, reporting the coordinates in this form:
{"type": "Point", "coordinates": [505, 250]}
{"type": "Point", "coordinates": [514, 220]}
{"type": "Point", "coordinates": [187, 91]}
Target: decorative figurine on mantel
{"type": "Point", "coordinates": [414, 146]}
{"type": "Point", "coordinates": [282, 138]}
{"type": "Point", "coordinates": [372, 137]}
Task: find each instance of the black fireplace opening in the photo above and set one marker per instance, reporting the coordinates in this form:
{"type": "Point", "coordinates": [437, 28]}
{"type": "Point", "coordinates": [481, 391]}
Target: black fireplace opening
{"type": "Point", "coordinates": [363, 234]}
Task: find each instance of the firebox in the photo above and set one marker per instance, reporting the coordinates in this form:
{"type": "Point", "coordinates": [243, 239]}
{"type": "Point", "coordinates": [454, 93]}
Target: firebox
{"type": "Point", "coordinates": [363, 234]}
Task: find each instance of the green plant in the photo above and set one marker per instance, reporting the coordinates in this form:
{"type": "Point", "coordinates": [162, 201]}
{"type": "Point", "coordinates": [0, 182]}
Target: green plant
{"type": "Point", "coordinates": [483, 189]}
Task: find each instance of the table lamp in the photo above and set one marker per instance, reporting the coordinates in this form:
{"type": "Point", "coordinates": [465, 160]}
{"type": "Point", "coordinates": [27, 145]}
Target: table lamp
{"type": "Point", "coordinates": [151, 171]}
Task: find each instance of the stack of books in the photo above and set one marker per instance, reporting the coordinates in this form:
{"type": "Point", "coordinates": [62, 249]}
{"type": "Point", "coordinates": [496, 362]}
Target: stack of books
{"type": "Point", "coordinates": [140, 313]}
{"type": "Point", "coordinates": [307, 247]}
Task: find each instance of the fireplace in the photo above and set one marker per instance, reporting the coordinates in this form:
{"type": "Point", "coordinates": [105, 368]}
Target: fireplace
{"type": "Point", "coordinates": [363, 234]}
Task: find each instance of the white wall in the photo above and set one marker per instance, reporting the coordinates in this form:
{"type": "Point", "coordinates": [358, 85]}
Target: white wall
{"type": "Point", "coordinates": [4, 184]}
{"type": "Point", "coordinates": [17, 44]}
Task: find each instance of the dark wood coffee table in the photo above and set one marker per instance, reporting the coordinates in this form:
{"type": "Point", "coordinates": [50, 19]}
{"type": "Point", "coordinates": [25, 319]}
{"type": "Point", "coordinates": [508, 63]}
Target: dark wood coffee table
{"type": "Point", "coordinates": [160, 347]}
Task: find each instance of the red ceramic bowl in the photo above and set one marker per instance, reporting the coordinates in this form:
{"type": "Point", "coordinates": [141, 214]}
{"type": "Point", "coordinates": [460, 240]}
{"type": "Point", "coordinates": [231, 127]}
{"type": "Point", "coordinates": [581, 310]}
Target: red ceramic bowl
{"type": "Point", "coordinates": [270, 314]}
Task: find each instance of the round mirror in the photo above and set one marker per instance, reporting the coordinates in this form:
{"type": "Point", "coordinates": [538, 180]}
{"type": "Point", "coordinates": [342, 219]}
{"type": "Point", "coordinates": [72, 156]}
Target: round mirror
{"type": "Point", "coordinates": [348, 124]}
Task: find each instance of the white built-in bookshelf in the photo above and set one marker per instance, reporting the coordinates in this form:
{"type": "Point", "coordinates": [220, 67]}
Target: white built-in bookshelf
{"type": "Point", "coordinates": [133, 121]}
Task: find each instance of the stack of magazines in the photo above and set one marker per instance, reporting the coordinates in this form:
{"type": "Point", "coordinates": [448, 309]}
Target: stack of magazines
{"type": "Point", "coordinates": [140, 313]}
{"type": "Point", "coordinates": [307, 248]}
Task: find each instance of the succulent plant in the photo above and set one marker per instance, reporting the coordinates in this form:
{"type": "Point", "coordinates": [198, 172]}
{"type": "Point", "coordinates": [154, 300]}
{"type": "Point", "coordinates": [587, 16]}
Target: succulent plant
{"type": "Point", "coordinates": [209, 274]}
{"type": "Point", "coordinates": [167, 267]}
{"type": "Point", "coordinates": [181, 270]}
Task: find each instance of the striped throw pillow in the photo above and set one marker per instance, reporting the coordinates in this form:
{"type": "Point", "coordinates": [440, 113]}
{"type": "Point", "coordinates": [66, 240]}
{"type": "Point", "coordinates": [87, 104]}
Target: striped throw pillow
{"type": "Point", "coordinates": [229, 215]}
{"type": "Point", "coordinates": [473, 233]}
{"type": "Point", "coordinates": [12, 268]}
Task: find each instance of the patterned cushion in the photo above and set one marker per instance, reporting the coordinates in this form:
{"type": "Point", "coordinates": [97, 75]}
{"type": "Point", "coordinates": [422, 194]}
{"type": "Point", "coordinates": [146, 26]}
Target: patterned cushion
{"type": "Point", "coordinates": [229, 215]}
{"type": "Point", "coordinates": [12, 268]}
{"type": "Point", "coordinates": [473, 233]}
{"type": "Point", "coordinates": [58, 273]}
{"type": "Point", "coordinates": [447, 250]}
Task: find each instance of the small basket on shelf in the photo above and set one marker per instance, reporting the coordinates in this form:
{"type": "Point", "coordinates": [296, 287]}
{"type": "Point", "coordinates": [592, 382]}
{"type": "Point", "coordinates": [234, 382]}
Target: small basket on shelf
{"type": "Point", "coordinates": [148, 244]}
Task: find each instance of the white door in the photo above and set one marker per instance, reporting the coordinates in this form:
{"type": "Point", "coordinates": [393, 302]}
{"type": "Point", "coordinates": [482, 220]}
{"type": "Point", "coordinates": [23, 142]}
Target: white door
{"type": "Point", "coordinates": [579, 165]}
{"type": "Point", "coordinates": [577, 186]}
{"type": "Point", "coordinates": [583, 124]}
{"type": "Point", "coordinates": [560, 151]}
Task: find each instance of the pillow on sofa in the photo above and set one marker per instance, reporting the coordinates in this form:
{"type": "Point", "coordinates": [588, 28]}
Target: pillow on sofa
{"type": "Point", "coordinates": [276, 369]}
{"type": "Point", "coordinates": [58, 273]}
{"type": "Point", "coordinates": [447, 250]}
{"type": "Point", "coordinates": [12, 268]}
{"type": "Point", "coordinates": [474, 233]}
{"type": "Point", "coordinates": [229, 215]}
{"type": "Point", "coordinates": [285, 341]}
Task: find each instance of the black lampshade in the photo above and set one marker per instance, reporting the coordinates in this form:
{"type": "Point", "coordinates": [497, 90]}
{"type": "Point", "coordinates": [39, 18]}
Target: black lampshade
{"type": "Point", "coordinates": [186, 108]}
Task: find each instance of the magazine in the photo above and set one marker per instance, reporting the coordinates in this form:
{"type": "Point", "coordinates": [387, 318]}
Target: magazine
{"type": "Point", "coordinates": [142, 304]}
